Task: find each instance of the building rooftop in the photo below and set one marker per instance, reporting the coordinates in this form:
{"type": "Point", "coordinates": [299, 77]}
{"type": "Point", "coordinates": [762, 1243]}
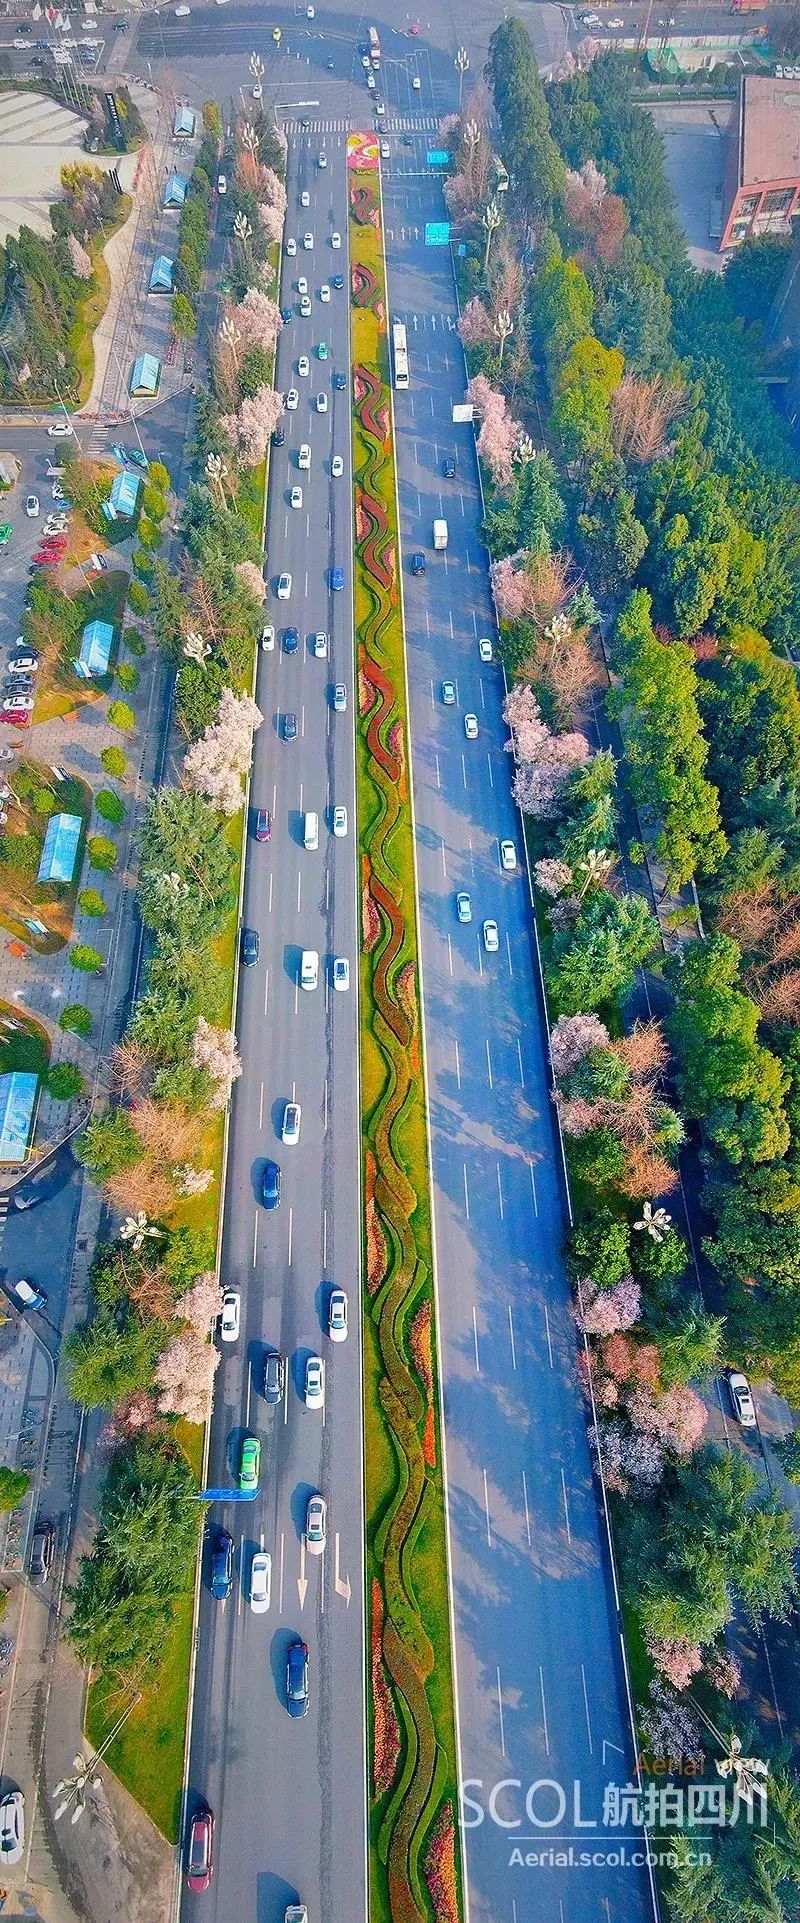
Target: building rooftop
{"type": "Point", "coordinates": [95, 654]}
{"type": "Point", "coordinates": [60, 848]}
{"type": "Point", "coordinates": [146, 375]}
{"type": "Point", "coordinates": [18, 1096]}
{"type": "Point", "coordinates": [769, 138]}
{"type": "Point", "coordinates": [125, 492]}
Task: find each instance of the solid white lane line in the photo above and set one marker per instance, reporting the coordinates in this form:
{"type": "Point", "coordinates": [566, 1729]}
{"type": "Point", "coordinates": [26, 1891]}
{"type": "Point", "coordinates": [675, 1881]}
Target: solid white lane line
{"type": "Point", "coordinates": [489, 766]}
{"type": "Point", "coordinates": [275, 798]}
{"type": "Point", "coordinates": [586, 1708]}
{"type": "Point", "coordinates": [489, 1063]}
{"type": "Point", "coordinates": [463, 768]}
{"type": "Point", "coordinates": [280, 1579]}
{"type": "Point", "coordinates": [482, 695]}
{"type": "Point", "coordinates": [500, 1711]}
{"type": "Point", "coordinates": [296, 996]}
{"type": "Point", "coordinates": [566, 1506]}
{"type": "Point", "coordinates": [521, 1069]}
{"type": "Point", "coordinates": [486, 1507]}
{"type": "Point", "coordinates": [458, 1063]}
{"type": "Point", "coordinates": [450, 953]}
{"type": "Point", "coordinates": [452, 630]}
{"type": "Point", "coordinates": [285, 1397]}
{"type": "Point", "coordinates": [500, 1194]}
{"type": "Point", "coordinates": [255, 1239]}
{"type": "Point", "coordinates": [527, 1511]}
{"type": "Point", "coordinates": [266, 989]}
{"type": "Point", "coordinates": [510, 963]}
{"type": "Point", "coordinates": [466, 1191]}
{"type": "Point", "coordinates": [544, 1712]}
{"type": "Point", "coordinates": [511, 1337]}
{"type": "Point", "coordinates": [533, 1189]}
{"type": "Point", "coordinates": [300, 803]}
{"type": "Point", "coordinates": [289, 1256]}
{"type": "Point", "coordinates": [547, 1331]}
{"type": "Point", "coordinates": [247, 1405]}
{"type": "Point", "coordinates": [438, 772]}
{"type": "Point", "coordinates": [444, 861]}
{"type": "Point", "coordinates": [475, 1340]}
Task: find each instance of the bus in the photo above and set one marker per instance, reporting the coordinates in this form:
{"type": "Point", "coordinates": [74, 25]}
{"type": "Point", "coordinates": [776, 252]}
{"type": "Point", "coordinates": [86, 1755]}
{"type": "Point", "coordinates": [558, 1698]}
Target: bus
{"type": "Point", "coordinates": [500, 176]}
{"type": "Point", "coordinates": [399, 354]}
{"type": "Point", "coordinates": [374, 47]}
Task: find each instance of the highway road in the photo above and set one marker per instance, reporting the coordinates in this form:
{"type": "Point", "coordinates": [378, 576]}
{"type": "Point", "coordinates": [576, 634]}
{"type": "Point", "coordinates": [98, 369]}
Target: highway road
{"type": "Point", "coordinates": [290, 1795]}
{"type": "Point", "coordinates": [540, 1681]}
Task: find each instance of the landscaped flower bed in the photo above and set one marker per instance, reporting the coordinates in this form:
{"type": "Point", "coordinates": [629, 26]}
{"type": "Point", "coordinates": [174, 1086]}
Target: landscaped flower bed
{"type": "Point", "coordinates": [415, 1862]}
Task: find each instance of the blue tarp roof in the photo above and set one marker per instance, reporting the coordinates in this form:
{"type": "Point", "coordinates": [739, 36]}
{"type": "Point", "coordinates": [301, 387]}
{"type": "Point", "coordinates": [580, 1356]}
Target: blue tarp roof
{"type": "Point", "coordinates": [146, 375]}
{"type": "Point", "coordinates": [161, 275]}
{"type": "Point", "coordinates": [60, 848]}
{"type": "Point", "coordinates": [94, 656]}
{"type": "Point", "coordinates": [125, 492]}
{"type": "Point", "coordinates": [185, 121]}
{"type": "Point", "coordinates": [17, 1109]}
{"type": "Point", "coordinates": [175, 191]}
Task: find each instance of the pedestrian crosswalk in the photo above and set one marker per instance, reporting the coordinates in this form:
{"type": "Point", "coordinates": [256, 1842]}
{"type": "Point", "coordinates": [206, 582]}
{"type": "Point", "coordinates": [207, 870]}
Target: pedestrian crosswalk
{"type": "Point", "coordinates": [392, 123]}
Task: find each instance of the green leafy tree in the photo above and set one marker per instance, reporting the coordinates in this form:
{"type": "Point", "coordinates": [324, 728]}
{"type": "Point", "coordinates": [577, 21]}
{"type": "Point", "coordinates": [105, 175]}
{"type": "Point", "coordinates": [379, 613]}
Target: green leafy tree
{"type": "Point", "coordinates": [186, 868]}
{"type": "Point", "coordinates": [169, 609]}
{"type": "Point", "coordinates": [754, 274]}
{"type": "Point", "coordinates": [598, 1249]}
{"type": "Point", "coordinates": [76, 1018]}
{"type": "Point", "coordinates": [722, 1542]}
{"type": "Point", "coordinates": [154, 503]}
{"type": "Point", "coordinates": [64, 1081]}
{"type": "Point", "coordinates": [128, 677]}
{"type": "Point", "coordinates": [107, 803]}
{"type": "Point", "coordinates": [134, 641]}
{"type": "Point", "coordinates": [110, 1357]}
{"type": "Point", "coordinates": [90, 902]}
{"type": "Point", "coordinates": [14, 1486]}
{"type": "Point", "coordinates": [121, 716]}
{"type": "Point", "coordinates": [691, 1346]}
{"type": "Point", "coordinates": [581, 416]}
{"type": "Point", "coordinates": [725, 1075]}
{"type": "Point", "coordinates": [140, 1564]}
{"type": "Point", "coordinates": [615, 537]}
{"type": "Point", "coordinates": [562, 308]}
{"type": "Point", "coordinates": [142, 563]}
{"type": "Point", "coordinates": [757, 1239]}
{"type": "Point", "coordinates": [86, 959]}
{"type": "Point", "coordinates": [596, 961]}
{"type": "Point", "coordinates": [521, 104]}
{"type": "Point", "coordinates": [750, 704]}
{"type": "Point", "coordinates": [102, 853]}
{"type": "Point", "coordinates": [160, 477]}
{"type": "Point", "coordinates": [110, 1144]}
{"type": "Point", "coordinates": [138, 597]}
{"type": "Point", "coordinates": [184, 318]}
{"type": "Point", "coordinates": [115, 762]}
{"type": "Point", "coordinates": [197, 697]}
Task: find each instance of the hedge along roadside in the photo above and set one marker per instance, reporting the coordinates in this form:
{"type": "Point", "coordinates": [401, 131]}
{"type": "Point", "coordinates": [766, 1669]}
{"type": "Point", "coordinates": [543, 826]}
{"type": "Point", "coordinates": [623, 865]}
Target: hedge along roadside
{"type": "Point", "coordinates": [415, 1865]}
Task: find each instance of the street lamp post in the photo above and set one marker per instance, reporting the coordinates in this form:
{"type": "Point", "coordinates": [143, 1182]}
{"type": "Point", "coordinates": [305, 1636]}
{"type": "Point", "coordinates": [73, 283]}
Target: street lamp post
{"type": "Point", "coordinates": [257, 71]}
{"type": "Point", "coordinates": [462, 63]}
{"type": "Point", "coordinates": [72, 1789]}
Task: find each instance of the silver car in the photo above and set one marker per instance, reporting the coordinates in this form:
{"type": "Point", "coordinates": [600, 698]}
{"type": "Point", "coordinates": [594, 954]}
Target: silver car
{"type": "Point", "coordinates": [337, 1315]}
{"type": "Point", "coordinates": [290, 1127]}
{"type": "Point", "coordinates": [260, 1582]}
{"type": "Point", "coordinates": [316, 1517]}
{"type": "Point", "coordinates": [314, 1382]}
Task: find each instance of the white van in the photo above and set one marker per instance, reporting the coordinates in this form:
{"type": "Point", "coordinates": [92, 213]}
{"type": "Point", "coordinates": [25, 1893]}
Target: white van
{"type": "Point", "coordinates": [309, 968]}
{"type": "Point", "coordinates": [310, 830]}
{"type": "Point", "coordinates": [304, 456]}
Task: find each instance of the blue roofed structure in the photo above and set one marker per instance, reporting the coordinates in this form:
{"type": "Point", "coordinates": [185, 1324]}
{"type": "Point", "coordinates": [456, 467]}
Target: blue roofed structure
{"type": "Point", "coordinates": [146, 375]}
{"type": "Point", "coordinates": [185, 121]}
{"type": "Point", "coordinates": [19, 1094]}
{"type": "Point", "coordinates": [95, 653]}
{"type": "Point", "coordinates": [60, 848]}
{"type": "Point", "coordinates": [125, 493]}
{"type": "Point", "coordinates": [175, 190]}
{"type": "Point", "coordinates": [161, 275]}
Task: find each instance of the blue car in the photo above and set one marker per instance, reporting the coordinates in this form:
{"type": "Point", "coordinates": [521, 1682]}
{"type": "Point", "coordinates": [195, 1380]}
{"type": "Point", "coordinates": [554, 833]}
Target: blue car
{"type": "Point", "coordinates": [337, 580]}
{"type": "Point", "coordinates": [297, 1679]}
{"type": "Point", "coordinates": [271, 1185]}
{"type": "Point", "coordinates": [222, 1566]}
{"type": "Point", "coordinates": [291, 640]}
{"type": "Point", "coordinates": [287, 314]}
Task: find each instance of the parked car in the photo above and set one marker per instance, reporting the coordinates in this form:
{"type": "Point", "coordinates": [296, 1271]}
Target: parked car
{"type": "Point", "coordinates": [32, 506]}
{"type": "Point", "coordinates": [741, 1396]}
{"type": "Point", "coordinates": [43, 1549]}
{"type": "Point", "coordinates": [6, 532]}
{"type": "Point", "coordinates": [200, 1844]}
{"type": "Point", "coordinates": [12, 1828]}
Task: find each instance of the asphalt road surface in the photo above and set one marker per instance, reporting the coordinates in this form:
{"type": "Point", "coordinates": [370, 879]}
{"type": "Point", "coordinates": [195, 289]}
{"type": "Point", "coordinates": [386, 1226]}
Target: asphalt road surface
{"type": "Point", "coordinates": [289, 1795]}
{"type": "Point", "coordinates": [540, 1681]}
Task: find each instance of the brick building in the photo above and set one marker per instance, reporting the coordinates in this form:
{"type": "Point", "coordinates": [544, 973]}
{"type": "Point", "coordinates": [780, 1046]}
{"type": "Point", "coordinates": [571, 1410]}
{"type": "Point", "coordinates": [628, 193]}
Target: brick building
{"type": "Point", "coordinates": [761, 191]}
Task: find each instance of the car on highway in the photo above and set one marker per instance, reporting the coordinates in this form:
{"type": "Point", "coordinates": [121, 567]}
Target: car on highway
{"type": "Point", "coordinates": [321, 403]}
{"type": "Point", "coordinates": [222, 1566]}
{"type": "Point", "coordinates": [336, 240]}
{"type": "Point", "coordinates": [416, 83]}
{"type": "Point", "coordinates": [305, 198]}
{"type": "Point", "coordinates": [182, 13]}
{"type": "Point", "coordinates": [304, 457]}
{"type": "Point", "coordinates": [340, 698]}
{"type": "Point", "coordinates": [249, 949]}
{"type": "Point", "coordinates": [291, 247]}
{"type": "Point", "coordinates": [339, 821]}
{"type": "Point", "coordinates": [337, 1315]}
{"type": "Point", "coordinates": [341, 973]}
{"type": "Point", "coordinates": [222, 183]}
{"type": "Point", "coordinates": [325, 293]}
{"type": "Point", "coordinates": [319, 645]}
{"type": "Point", "coordinates": [322, 161]}
{"type": "Point", "coordinates": [316, 1517]}
{"type": "Point", "coordinates": [271, 1185]}
{"type": "Point", "coordinates": [32, 506]}
{"type": "Point", "coordinates": [371, 82]}
{"type": "Point", "coordinates": [290, 1126]}
{"type": "Point", "coordinates": [290, 640]}
{"type": "Point", "coordinates": [308, 242]}
{"type": "Point", "coordinates": [43, 1549]}
{"type": "Point", "coordinates": [268, 638]}
{"type": "Point", "coordinates": [200, 1842]}
{"type": "Point", "coordinates": [292, 399]}
{"type": "Point", "coordinates": [322, 351]}
{"type": "Point", "coordinates": [448, 467]}
{"type": "Point", "coordinates": [337, 580]}
{"type": "Point", "coordinates": [302, 284]}
{"type": "Point", "coordinates": [60, 430]}
{"type": "Point", "coordinates": [337, 466]}
{"type": "Point", "coordinates": [337, 281]}
{"type": "Point", "coordinates": [290, 727]}
{"type": "Point", "coordinates": [230, 1316]}
{"type": "Point", "coordinates": [449, 693]}
{"type": "Point", "coordinates": [297, 1679]}
{"type": "Point", "coordinates": [12, 1828]}
{"type": "Point", "coordinates": [305, 306]}
{"type": "Point", "coordinates": [589, 19]}
{"type": "Point", "coordinates": [616, 23]}
{"type": "Point", "coordinates": [485, 649]}
{"type": "Point", "coordinates": [296, 497]}
{"type": "Point", "coordinates": [385, 150]}
{"type": "Point", "coordinates": [284, 586]}
{"type": "Point", "coordinates": [418, 562]}
{"type": "Point", "coordinates": [340, 382]}
{"type": "Point", "coordinates": [471, 727]}
{"type": "Point", "coordinates": [463, 906]}
{"type": "Point", "coordinates": [741, 1396]}
{"type": "Point", "coordinates": [303, 366]}
{"type": "Point", "coordinates": [287, 315]}
{"type": "Point", "coordinates": [314, 1382]}
{"type": "Point", "coordinates": [260, 1582]}
{"type": "Point", "coordinates": [263, 824]}
{"type": "Point", "coordinates": [508, 856]}
{"type": "Point", "coordinates": [250, 1466]}
{"type": "Point", "coordinates": [309, 968]}
{"type": "Point", "coordinates": [274, 1376]}
{"type": "Point", "coordinates": [279, 435]}
{"type": "Point", "coordinates": [491, 938]}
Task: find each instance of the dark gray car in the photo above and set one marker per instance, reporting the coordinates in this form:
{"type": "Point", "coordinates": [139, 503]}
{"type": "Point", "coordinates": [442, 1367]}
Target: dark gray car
{"type": "Point", "coordinates": [274, 1376]}
{"type": "Point", "coordinates": [42, 1551]}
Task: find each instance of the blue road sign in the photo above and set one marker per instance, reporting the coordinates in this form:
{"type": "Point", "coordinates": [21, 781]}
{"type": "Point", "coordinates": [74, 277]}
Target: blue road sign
{"type": "Point", "coordinates": [438, 157]}
{"type": "Point", "coordinates": [227, 1495]}
{"type": "Point", "coordinates": [437, 233]}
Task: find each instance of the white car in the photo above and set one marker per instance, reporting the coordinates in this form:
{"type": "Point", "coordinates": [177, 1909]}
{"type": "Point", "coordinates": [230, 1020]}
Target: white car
{"type": "Point", "coordinates": [222, 183]}
{"type": "Point", "coordinates": [341, 973]}
{"type": "Point", "coordinates": [290, 1126]}
{"type": "Point", "coordinates": [371, 82]}
{"type": "Point", "coordinates": [18, 704]}
{"type": "Point", "coordinates": [337, 1315]}
{"type": "Point", "coordinates": [309, 13]}
{"type": "Point", "coordinates": [416, 83]}
{"type": "Point", "coordinates": [319, 646]}
{"type": "Point", "coordinates": [742, 1399]}
{"type": "Point", "coordinates": [325, 293]}
{"type": "Point", "coordinates": [508, 856]}
{"type": "Point", "coordinates": [268, 639]}
{"type": "Point", "coordinates": [340, 698]}
{"type": "Point", "coordinates": [491, 938]}
{"type": "Point", "coordinates": [385, 150]}
{"type": "Point", "coordinates": [616, 24]}
{"type": "Point", "coordinates": [284, 587]}
{"type": "Point", "coordinates": [322, 161]}
{"type": "Point", "coordinates": [302, 284]}
{"type": "Point", "coordinates": [308, 241]}
{"type": "Point", "coordinates": [337, 466]}
{"type": "Point", "coordinates": [305, 198]}
{"type": "Point", "coordinates": [32, 506]}
{"type": "Point", "coordinates": [260, 1582]}
{"type": "Point", "coordinates": [322, 403]}
{"type": "Point", "coordinates": [292, 399]}
{"type": "Point", "coordinates": [12, 1828]}
{"type": "Point", "coordinates": [316, 1517]}
{"type": "Point", "coordinates": [291, 247]}
{"type": "Point", "coordinates": [303, 365]}
{"type": "Point", "coordinates": [182, 13]}
{"type": "Point", "coordinates": [229, 1318]}
{"type": "Point", "coordinates": [296, 497]}
{"type": "Point", "coordinates": [314, 1382]}
{"type": "Point", "coordinates": [485, 649]}
{"type": "Point", "coordinates": [309, 968]}
{"type": "Point", "coordinates": [336, 240]}
{"type": "Point", "coordinates": [365, 60]}
{"type": "Point", "coordinates": [339, 822]}
{"type": "Point", "coordinates": [471, 727]}
{"type": "Point", "coordinates": [304, 458]}
{"type": "Point", "coordinates": [305, 305]}
{"type": "Point", "coordinates": [463, 906]}
{"type": "Point", "coordinates": [55, 524]}
{"type": "Point", "coordinates": [60, 430]}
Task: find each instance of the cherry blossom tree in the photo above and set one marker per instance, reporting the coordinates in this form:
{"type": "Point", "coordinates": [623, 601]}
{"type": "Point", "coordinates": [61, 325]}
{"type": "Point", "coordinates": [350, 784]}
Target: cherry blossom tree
{"type": "Point", "coordinates": [185, 1376]}
{"type": "Point", "coordinates": [630, 1462]}
{"type": "Point", "coordinates": [552, 876]}
{"type": "Point", "coordinates": [271, 189]}
{"type": "Point", "coordinates": [669, 1725]}
{"type": "Point", "coordinates": [724, 1672]}
{"type": "Point", "coordinates": [257, 320]}
{"type": "Point", "coordinates": [676, 1658]}
{"type": "Point", "coordinates": [80, 261]}
{"type": "Point", "coordinates": [252, 427]}
{"type": "Point", "coordinates": [215, 1050]}
{"type": "Point", "coordinates": [200, 1305]}
{"type": "Point", "coordinates": [545, 761]}
{"type": "Point", "coordinates": [214, 765]}
{"type": "Point", "coordinates": [497, 442]}
{"type": "Point", "coordinates": [475, 324]}
{"type": "Point", "coordinates": [270, 221]}
{"type": "Point", "coordinates": [192, 1181]}
{"type": "Point", "coordinates": [606, 1312]}
{"type": "Point", "coordinates": [572, 1038]}
{"type": "Point", "coordinates": [252, 579]}
{"type": "Point", "coordinates": [677, 1417]}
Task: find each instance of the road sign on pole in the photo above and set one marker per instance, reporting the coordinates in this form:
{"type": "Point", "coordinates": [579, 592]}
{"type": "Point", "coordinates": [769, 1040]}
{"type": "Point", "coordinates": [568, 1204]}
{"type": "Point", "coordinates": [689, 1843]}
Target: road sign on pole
{"type": "Point", "coordinates": [437, 233]}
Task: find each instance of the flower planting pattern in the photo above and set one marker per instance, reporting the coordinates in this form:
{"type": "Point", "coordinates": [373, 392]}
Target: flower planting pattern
{"type": "Point", "coordinates": [414, 1859]}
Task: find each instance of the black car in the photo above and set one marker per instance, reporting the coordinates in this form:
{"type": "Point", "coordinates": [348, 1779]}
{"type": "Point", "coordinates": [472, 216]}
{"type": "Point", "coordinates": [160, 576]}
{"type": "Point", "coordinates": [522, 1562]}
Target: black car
{"type": "Point", "coordinates": [278, 436]}
{"type": "Point", "coordinates": [222, 1566]}
{"type": "Point", "coordinates": [271, 1185]}
{"type": "Point", "coordinates": [290, 640]}
{"type": "Point", "coordinates": [448, 467]}
{"type": "Point", "coordinates": [339, 382]}
{"type": "Point", "coordinates": [274, 1376]}
{"type": "Point", "coordinates": [338, 282]}
{"type": "Point", "coordinates": [250, 947]}
{"type": "Point", "coordinates": [43, 1549]}
{"type": "Point", "coordinates": [297, 1679]}
{"type": "Point", "coordinates": [290, 727]}
{"type": "Point", "coordinates": [418, 562]}
{"type": "Point", "coordinates": [287, 314]}
{"type": "Point", "coordinates": [120, 26]}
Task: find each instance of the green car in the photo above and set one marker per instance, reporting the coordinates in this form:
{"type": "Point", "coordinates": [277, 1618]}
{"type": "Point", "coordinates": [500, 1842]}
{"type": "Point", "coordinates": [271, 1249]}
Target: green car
{"type": "Point", "coordinates": [5, 530]}
{"type": "Point", "coordinates": [322, 350]}
{"type": "Point", "coordinates": [251, 1463]}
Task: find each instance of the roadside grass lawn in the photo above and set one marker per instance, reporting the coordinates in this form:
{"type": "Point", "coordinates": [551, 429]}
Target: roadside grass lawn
{"type": "Point", "coordinates": [147, 1755]}
{"type": "Point", "coordinates": [24, 1050]}
{"type": "Point", "coordinates": [92, 305]}
{"type": "Point", "coordinates": [61, 691]}
{"type": "Point", "coordinates": [52, 902]}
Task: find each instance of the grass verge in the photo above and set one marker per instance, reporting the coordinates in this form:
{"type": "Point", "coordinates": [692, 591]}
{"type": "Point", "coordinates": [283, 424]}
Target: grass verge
{"type": "Point", "coordinates": [415, 1871]}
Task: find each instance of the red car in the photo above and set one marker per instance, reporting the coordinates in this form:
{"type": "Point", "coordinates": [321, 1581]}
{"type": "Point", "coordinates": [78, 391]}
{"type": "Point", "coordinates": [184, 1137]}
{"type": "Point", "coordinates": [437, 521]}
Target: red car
{"type": "Point", "coordinates": [200, 1850]}
{"type": "Point", "coordinates": [19, 719]}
